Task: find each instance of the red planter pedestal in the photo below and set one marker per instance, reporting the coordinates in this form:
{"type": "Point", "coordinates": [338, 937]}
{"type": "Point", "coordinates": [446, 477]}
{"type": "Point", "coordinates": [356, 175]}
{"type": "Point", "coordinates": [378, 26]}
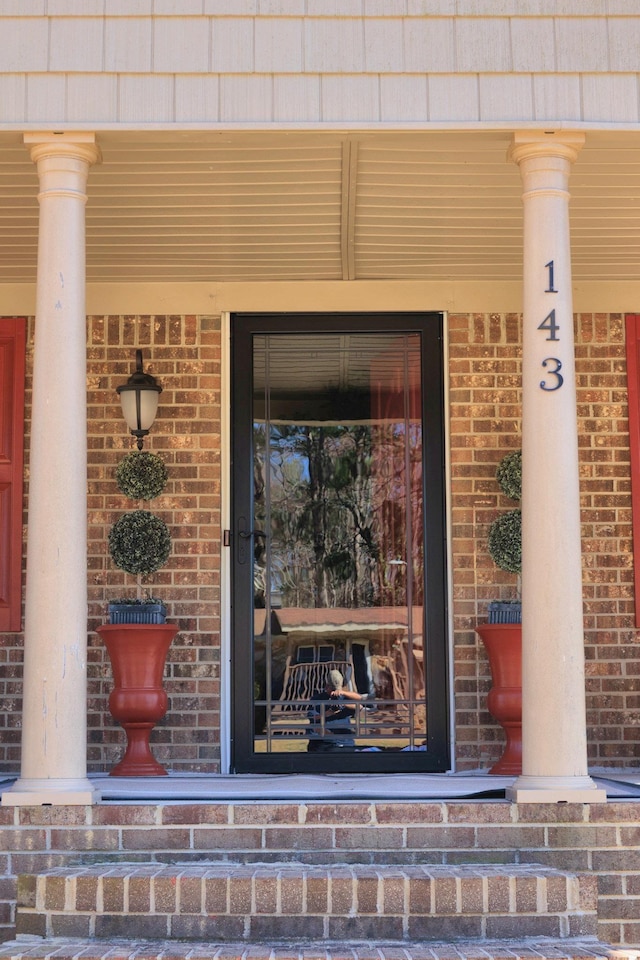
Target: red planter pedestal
{"type": "Point", "coordinates": [138, 700]}
{"type": "Point", "coordinates": [503, 643]}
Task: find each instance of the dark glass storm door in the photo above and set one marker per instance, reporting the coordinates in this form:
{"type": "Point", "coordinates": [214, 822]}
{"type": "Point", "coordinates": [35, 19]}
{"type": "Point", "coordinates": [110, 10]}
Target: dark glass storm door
{"type": "Point", "coordinates": [339, 586]}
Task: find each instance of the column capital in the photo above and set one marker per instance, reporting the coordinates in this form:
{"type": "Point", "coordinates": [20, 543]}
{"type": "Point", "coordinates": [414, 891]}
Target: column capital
{"type": "Point", "coordinates": [530, 144]}
{"type": "Point", "coordinates": [78, 145]}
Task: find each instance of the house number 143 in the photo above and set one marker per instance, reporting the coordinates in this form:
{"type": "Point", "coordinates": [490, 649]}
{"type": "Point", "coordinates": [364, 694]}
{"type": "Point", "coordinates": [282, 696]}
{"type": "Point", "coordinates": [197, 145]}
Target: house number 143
{"type": "Point", "coordinates": [552, 365]}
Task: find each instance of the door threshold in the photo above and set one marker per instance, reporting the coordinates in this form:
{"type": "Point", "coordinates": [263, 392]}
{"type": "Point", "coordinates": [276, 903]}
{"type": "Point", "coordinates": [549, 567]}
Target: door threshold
{"type": "Point", "coordinates": [302, 787]}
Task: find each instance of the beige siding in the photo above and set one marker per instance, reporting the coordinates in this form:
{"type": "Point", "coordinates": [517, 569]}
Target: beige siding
{"type": "Point", "coordinates": [106, 62]}
{"type": "Point", "coordinates": [356, 99]}
{"type": "Point", "coordinates": [329, 8]}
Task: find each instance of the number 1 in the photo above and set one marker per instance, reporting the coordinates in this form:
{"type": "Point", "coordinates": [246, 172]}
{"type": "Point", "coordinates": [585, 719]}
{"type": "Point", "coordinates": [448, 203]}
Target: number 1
{"type": "Point", "coordinates": [550, 288]}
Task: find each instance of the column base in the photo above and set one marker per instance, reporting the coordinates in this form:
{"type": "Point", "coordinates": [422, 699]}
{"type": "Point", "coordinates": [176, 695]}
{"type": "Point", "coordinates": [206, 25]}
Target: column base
{"type": "Point", "coordinates": [51, 792]}
{"type": "Point", "coordinates": [527, 789]}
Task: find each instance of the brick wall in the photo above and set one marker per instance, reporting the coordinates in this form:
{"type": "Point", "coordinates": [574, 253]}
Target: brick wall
{"type": "Point", "coordinates": [484, 360]}
{"type": "Point", "coordinates": [485, 406]}
{"type": "Point", "coordinates": [612, 643]}
{"type": "Point", "coordinates": [183, 352]}
{"type": "Point", "coordinates": [485, 364]}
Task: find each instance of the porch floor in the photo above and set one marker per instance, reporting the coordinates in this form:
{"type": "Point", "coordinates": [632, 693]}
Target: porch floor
{"type": "Point", "coordinates": [619, 785]}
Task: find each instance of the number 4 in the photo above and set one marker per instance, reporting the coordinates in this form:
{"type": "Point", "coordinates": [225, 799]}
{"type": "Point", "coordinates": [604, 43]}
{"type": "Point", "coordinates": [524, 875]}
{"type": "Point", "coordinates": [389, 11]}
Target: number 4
{"type": "Point", "coordinates": [549, 324]}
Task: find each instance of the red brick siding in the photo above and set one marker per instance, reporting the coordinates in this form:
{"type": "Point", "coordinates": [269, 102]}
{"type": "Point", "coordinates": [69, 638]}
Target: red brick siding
{"type": "Point", "coordinates": [611, 640]}
{"type": "Point", "coordinates": [183, 352]}
{"type": "Point", "coordinates": [484, 362]}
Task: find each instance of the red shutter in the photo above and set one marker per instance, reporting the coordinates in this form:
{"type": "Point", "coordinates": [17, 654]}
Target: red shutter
{"type": "Point", "coordinates": [12, 357]}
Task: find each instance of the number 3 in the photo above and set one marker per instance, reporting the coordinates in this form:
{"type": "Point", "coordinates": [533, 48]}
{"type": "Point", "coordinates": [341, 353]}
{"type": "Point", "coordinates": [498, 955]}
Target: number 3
{"type": "Point", "coordinates": [555, 372]}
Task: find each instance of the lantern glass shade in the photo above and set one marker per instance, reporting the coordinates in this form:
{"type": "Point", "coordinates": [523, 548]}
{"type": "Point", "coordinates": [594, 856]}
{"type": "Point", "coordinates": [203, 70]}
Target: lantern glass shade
{"type": "Point", "coordinates": [139, 408]}
{"type": "Point", "coordinates": [139, 400]}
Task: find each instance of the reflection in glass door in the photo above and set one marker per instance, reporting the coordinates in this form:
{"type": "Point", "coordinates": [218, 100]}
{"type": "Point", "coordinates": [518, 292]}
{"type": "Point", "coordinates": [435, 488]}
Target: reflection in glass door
{"type": "Point", "coordinates": [339, 637]}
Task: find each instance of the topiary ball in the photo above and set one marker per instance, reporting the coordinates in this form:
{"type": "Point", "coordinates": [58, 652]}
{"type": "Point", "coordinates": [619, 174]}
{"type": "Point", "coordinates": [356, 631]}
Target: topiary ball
{"type": "Point", "coordinates": [139, 542]}
{"type": "Point", "coordinates": [141, 475]}
{"type": "Point", "coordinates": [505, 541]}
{"type": "Point", "coordinates": [509, 475]}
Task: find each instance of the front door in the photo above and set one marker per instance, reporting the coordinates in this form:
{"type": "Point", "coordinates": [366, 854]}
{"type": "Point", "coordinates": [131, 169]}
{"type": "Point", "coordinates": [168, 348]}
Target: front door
{"type": "Point", "coordinates": [339, 619]}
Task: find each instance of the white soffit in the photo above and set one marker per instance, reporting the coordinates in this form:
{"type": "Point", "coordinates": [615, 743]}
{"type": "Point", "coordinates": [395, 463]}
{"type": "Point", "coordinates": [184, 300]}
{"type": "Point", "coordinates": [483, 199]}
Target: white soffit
{"type": "Point", "coordinates": [208, 206]}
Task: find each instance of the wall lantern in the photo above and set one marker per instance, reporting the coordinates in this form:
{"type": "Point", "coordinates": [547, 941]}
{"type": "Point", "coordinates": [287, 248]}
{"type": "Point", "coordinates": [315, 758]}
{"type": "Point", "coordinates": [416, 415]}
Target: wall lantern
{"type": "Point", "coordinates": [139, 399]}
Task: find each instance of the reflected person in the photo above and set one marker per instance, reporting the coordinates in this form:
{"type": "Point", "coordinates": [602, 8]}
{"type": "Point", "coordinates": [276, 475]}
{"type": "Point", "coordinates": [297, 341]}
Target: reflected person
{"type": "Point", "coordinates": [330, 714]}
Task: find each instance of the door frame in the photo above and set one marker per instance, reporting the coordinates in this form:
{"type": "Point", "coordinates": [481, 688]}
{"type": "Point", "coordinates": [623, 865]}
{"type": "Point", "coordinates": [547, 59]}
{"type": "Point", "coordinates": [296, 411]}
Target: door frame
{"type": "Point", "coordinates": [225, 547]}
{"type": "Point", "coordinates": [226, 517]}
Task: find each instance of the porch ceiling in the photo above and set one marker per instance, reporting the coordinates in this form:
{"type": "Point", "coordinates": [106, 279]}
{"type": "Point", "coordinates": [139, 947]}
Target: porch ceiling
{"type": "Point", "coordinates": [236, 206]}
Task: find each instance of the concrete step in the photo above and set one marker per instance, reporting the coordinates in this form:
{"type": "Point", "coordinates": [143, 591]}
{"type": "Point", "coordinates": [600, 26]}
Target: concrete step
{"type": "Point", "coordinates": [34, 948]}
{"type": "Point", "coordinates": [223, 901]}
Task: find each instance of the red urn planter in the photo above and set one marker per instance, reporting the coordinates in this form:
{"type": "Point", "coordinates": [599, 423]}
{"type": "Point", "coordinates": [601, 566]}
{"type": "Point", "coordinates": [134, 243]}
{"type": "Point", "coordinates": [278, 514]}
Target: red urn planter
{"type": "Point", "coordinates": [138, 700]}
{"type": "Point", "coordinates": [503, 643]}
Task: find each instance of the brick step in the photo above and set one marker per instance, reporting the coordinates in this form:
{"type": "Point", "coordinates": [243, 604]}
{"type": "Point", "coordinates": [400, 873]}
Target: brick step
{"type": "Point", "coordinates": [273, 902]}
{"type": "Point", "coordinates": [33, 948]}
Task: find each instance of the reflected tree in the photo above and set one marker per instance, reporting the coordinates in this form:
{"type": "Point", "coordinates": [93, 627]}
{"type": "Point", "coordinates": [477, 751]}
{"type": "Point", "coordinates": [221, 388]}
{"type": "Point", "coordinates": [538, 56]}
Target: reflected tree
{"type": "Point", "coordinates": [337, 509]}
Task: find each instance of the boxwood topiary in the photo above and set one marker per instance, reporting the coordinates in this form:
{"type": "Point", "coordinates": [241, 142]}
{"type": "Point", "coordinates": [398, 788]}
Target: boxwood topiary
{"type": "Point", "coordinates": [505, 533]}
{"type": "Point", "coordinates": [509, 475]}
{"type": "Point", "coordinates": [141, 475]}
{"type": "Point", "coordinates": [139, 542]}
{"type": "Point", "coordinates": [505, 541]}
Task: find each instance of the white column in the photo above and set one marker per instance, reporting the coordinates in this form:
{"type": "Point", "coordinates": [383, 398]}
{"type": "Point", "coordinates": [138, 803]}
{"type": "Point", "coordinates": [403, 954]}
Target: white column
{"type": "Point", "coordinates": [54, 738]}
{"type": "Point", "coordinates": [554, 763]}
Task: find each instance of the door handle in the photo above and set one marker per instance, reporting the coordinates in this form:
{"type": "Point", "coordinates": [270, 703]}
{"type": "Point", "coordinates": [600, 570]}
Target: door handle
{"type": "Point", "coordinates": [245, 536]}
